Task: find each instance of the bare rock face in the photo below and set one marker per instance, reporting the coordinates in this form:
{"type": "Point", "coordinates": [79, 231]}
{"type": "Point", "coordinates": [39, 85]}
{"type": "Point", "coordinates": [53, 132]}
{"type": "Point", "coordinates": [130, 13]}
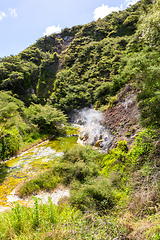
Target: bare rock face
{"type": "Point", "coordinates": [104, 130]}
{"type": "Point", "coordinates": [122, 119]}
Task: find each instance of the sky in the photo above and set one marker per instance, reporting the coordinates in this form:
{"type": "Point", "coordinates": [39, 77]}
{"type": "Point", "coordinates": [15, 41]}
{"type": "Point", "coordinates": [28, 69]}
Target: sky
{"type": "Point", "coordinates": [23, 22]}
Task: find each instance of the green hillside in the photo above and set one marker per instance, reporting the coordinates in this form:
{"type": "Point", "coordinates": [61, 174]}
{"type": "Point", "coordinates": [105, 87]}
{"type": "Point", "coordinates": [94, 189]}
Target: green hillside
{"type": "Point", "coordinates": [82, 58]}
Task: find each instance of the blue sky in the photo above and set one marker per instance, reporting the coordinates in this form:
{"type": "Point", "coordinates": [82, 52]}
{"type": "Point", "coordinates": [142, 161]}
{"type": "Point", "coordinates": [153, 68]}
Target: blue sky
{"type": "Point", "coordinates": [22, 22]}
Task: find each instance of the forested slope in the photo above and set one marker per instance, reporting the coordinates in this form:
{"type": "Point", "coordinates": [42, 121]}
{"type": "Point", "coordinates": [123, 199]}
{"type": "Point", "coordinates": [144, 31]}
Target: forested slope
{"type": "Point", "coordinates": [82, 58]}
{"type": "Point", "coordinates": [86, 64]}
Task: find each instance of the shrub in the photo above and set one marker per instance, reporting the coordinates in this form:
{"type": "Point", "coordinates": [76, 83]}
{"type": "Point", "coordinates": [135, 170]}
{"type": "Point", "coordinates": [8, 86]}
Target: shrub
{"type": "Point", "coordinates": [103, 91]}
{"type": "Point", "coordinates": [45, 180]}
{"type": "Point", "coordinates": [48, 119]}
{"type": "Point", "coordinates": [149, 25]}
{"type": "Point", "coordinates": [115, 159]}
{"type": "Point", "coordinates": [79, 163]}
{"type": "Point", "coordinates": [95, 194]}
{"type": "Point", "coordinates": [142, 148]}
{"type": "Point", "coordinates": [80, 153]}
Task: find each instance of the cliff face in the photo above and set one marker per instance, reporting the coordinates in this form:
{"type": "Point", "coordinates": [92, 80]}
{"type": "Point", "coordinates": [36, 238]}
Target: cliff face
{"type": "Point", "coordinates": [122, 119]}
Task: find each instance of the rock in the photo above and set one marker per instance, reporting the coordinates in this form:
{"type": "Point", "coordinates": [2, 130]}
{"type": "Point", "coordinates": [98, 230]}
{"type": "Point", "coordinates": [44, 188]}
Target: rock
{"type": "Point", "coordinates": [100, 137]}
{"type": "Point", "coordinates": [98, 144]}
{"type": "Point", "coordinates": [85, 137]}
{"type": "Point", "coordinates": [93, 141]}
{"type": "Point", "coordinates": [123, 117]}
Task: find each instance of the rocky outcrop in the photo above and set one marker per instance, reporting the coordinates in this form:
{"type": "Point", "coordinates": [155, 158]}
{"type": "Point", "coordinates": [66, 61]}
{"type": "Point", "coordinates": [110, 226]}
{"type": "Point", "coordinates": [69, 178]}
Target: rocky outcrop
{"type": "Point", "coordinates": [65, 44]}
{"type": "Point", "coordinates": [119, 122]}
{"type": "Point", "coordinates": [122, 119]}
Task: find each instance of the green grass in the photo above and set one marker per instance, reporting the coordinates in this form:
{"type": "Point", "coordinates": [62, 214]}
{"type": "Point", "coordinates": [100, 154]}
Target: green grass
{"type": "Point", "coordinates": [45, 180]}
{"type": "Point", "coordinates": [103, 204]}
{"type": "Point", "coordinates": [47, 221]}
{"type": "Point", "coordinates": [78, 169]}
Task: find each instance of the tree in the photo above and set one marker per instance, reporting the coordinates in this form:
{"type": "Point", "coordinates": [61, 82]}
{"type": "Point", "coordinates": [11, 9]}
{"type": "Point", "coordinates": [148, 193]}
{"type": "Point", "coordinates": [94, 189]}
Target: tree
{"type": "Point", "coordinates": [149, 28]}
{"type": "Point", "coordinates": [11, 111]}
{"type": "Point", "coordinates": [48, 119]}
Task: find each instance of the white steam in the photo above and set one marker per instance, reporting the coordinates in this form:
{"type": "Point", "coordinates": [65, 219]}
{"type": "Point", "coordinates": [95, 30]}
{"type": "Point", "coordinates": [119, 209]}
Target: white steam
{"type": "Point", "coordinates": [92, 129]}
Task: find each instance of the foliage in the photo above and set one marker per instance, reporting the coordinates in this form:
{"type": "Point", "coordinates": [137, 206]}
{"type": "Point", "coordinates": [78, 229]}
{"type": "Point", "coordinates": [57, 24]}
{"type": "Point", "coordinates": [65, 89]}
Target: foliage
{"type": "Point", "coordinates": [91, 69]}
{"type": "Point", "coordinates": [142, 148]}
{"type": "Point", "coordinates": [47, 118]}
{"type": "Point", "coordinates": [114, 161]}
{"type": "Point", "coordinates": [48, 221]}
{"type": "Point", "coordinates": [144, 164]}
{"type": "Point", "coordinates": [46, 181]}
{"type": "Point", "coordinates": [20, 125]}
{"type": "Point", "coordinates": [78, 163]}
{"type": "Point", "coordinates": [149, 29]}
{"type": "Point", "coordinates": [96, 194]}
{"type": "Point", "coordinates": [72, 78]}
{"type": "Point", "coordinates": [103, 91]}
{"type": "Point", "coordinates": [79, 169]}
{"type": "Point", "coordinates": [12, 124]}
{"type": "Point", "coordinates": [143, 70]}
{"type": "Point", "coordinates": [130, 170]}
{"type": "Point", "coordinates": [27, 73]}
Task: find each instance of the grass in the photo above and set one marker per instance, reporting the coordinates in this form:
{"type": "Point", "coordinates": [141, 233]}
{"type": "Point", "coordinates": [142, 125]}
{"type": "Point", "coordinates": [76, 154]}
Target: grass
{"type": "Point", "coordinates": [111, 196]}
{"type": "Point", "coordinates": [78, 169]}
{"type": "Point", "coordinates": [47, 221]}
{"type": "Point", "coordinates": [45, 180]}
{"type": "Point", "coordinates": [79, 163]}
{"type": "Point", "coordinates": [32, 142]}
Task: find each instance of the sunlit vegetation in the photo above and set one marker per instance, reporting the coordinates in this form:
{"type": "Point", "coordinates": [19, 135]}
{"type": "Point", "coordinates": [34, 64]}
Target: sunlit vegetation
{"type": "Point", "coordinates": [114, 195]}
{"type": "Point", "coordinates": [55, 222]}
{"type": "Point", "coordinates": [20, 125]}
{"type": "Point", "coordinates": [103, 192]}
{"type": "Point", "coordinates": [70, 75]}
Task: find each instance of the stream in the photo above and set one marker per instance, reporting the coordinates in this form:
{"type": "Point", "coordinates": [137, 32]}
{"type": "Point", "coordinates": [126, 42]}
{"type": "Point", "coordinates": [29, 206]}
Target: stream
{"type": "Point", "coordinates": [87, 128]}
{"type": "Point", "coordinates": [28, 164]}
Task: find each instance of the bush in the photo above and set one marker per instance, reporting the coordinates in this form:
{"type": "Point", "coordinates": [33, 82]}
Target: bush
{"type": "Point", "coordinates": [48, 119]}
{"type": "Point", "coordinates": [102, 92]}
{"type": "Point", "coordinates": [46, 181]}
{"type": "Point", "coordinates": [80, 153]}
{"type": "Point", "coordinates": [142, 148]}
{"type": "Point", "coordinates": [79, 171]}
{"type": "Point", "coordinates": [79, 163]}
{"type": "Point", "coordinates": [9, 144]}
{"type": "Point", "coordinates": [115, 159]}
{"type": "Point", "coordinates": [13, 124]}
{"type": "Point", "coordinates": [96, 194]}
{"type": "Point", "coordinates": [149, 26]}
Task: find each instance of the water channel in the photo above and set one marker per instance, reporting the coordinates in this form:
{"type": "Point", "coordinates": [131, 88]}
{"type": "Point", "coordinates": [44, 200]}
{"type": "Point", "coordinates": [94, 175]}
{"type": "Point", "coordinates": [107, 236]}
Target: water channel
{"type": "Point", "coordinates": [88, 128]}
{"type": "Point", "coordinates": [30, 163]}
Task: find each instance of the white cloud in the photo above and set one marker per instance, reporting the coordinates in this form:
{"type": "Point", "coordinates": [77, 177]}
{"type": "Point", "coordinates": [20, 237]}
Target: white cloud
{"type": "Point", "coordinates": [13, 12]}
{"type": "Point", "coordinates": [52, 29]}
{"type": "Point", "coordinates": [131, 2]}
{"type": "Point", "coordinates": [104, 10]}
{"type": "Point", "coordinates": [2, 15]}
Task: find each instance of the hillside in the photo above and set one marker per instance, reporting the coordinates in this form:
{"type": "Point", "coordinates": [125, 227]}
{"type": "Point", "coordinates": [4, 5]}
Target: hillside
{"type": "Point", "coordinates": [88, 55]}
{"type": "Point", "coordinates": [113, 65]}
